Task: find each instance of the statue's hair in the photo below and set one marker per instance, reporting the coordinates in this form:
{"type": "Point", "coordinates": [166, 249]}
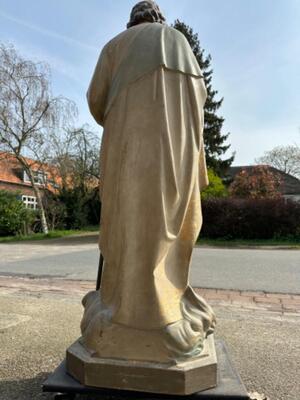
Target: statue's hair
{"type": "Point", "coordinates": [145, 11]}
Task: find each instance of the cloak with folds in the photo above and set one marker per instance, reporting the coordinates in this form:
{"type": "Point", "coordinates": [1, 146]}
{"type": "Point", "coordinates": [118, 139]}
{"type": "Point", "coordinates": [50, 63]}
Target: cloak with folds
{"type": "Point", "coordinates": [148, 93]}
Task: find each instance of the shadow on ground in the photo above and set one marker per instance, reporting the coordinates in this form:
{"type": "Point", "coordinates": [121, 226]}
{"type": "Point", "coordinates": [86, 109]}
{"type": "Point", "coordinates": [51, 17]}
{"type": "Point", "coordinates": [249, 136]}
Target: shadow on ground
{"type": "Point", "coordinates": [25, 389]}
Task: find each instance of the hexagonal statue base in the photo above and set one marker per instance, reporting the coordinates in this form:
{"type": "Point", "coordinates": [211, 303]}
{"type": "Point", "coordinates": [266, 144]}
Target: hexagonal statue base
{"type": "Point", "coordinates": [180, 379]}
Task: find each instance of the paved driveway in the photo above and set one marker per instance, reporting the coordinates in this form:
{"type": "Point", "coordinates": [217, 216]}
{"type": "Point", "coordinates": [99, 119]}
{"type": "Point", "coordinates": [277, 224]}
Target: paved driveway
{"type": "Point", "coordinates": [36, 329]}
{"type": "Point", "coordinates": [275, 270]}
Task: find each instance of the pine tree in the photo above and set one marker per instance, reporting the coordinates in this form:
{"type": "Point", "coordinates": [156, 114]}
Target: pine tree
{"type": "Point", "coordinates": [214, 140]}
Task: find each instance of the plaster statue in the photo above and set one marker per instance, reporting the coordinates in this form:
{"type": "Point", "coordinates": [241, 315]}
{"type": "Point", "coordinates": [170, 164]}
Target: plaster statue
{"type": "Point", "coordinates": [148, 93]}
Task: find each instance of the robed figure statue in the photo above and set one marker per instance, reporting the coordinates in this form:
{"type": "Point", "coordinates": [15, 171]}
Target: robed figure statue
{"type": "Point", "coordinates": [148, 93]}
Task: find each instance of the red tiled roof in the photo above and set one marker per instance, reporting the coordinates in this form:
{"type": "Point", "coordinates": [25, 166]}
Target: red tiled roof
{"type": "Point", "coordinates": [11, 171]}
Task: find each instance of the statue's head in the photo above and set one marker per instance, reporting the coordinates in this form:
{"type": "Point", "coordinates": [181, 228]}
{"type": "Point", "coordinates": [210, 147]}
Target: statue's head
{"type": "Point", "coordinates": [145, 11]}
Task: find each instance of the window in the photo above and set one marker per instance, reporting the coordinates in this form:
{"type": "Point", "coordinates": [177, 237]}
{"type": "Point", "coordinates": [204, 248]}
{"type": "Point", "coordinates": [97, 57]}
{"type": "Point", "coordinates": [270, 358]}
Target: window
{"type": "Point", "coordinates": [30, 202]}
{"type": "Point", "coordinates": [40, 177]}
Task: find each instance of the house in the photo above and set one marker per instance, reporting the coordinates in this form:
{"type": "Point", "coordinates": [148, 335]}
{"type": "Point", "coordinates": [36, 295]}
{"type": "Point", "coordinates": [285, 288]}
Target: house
{"type": "Point", "coordinates": [290, 185]}
{"type": "Point", "coordinates": [14, 178]}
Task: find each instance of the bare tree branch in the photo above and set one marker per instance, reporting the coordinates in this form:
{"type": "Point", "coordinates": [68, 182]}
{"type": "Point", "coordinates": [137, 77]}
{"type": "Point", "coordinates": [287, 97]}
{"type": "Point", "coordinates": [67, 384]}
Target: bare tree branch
{"type": "Point", "coordinates": [284, 158]}
{"type": "Point", "coordinates": [29, 113]}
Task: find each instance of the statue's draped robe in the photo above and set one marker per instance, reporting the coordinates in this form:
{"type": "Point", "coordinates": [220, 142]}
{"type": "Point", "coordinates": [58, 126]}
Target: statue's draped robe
{"type": "Point", "coordinates": [148, 93]}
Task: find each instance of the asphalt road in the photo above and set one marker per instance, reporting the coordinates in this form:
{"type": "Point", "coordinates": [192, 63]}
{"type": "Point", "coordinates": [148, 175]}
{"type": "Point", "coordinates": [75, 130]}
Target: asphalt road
{"type": "Point", "coordinates": [276, 270]}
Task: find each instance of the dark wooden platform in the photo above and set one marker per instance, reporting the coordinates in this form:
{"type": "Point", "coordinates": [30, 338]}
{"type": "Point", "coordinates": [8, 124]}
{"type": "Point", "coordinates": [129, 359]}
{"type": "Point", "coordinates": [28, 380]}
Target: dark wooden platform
{"type": "Point", "coordinates": [229, 386]}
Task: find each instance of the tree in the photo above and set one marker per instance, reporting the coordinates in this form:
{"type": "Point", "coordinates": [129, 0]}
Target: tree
{"type": "Point", "coordinates": [75, 154]}
{"type": "Point", "coordinates": [216, 188]}
{"type": "Point", "coordinates": [214, 140]}
{"type": "Point", "coordinates": [28, 111]}
{"type": "Point", "coordinates": [284, 158]}
{"type": "Point", "coordinates": [257, 183]}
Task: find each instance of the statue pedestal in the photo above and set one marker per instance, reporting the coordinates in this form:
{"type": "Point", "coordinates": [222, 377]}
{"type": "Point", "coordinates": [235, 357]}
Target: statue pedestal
{"type": "Point", "coordinates": [229, 384]}
{"type": "Point", "coordinates": [179, 379]}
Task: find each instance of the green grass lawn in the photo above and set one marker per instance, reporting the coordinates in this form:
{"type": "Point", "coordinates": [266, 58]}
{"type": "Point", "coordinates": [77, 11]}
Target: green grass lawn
{"type": "Point", "coordinates": [51, 235]}
{"type": "Point", "coordinates": [289, 243]}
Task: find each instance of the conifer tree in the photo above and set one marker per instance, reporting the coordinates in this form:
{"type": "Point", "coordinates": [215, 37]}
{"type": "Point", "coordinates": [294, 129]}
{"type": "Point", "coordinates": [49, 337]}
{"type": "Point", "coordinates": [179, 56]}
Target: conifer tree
{"type": "Point", "coordinates": [214, 140]}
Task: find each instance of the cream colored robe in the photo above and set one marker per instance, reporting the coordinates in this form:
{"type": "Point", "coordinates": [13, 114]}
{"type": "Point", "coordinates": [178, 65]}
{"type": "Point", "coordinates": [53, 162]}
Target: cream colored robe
{"type": "Point", "coordinates": [152, 167]}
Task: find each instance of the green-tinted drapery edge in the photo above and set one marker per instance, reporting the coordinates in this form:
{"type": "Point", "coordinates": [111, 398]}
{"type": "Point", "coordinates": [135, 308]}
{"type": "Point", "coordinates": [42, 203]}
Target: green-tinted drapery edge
{"type": "Point", "coordinates": [168, 48]}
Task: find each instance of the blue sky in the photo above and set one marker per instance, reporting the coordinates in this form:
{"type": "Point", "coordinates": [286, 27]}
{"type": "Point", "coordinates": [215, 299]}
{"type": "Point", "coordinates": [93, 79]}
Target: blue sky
{"type": "Point", "coordinates": [255, 48]}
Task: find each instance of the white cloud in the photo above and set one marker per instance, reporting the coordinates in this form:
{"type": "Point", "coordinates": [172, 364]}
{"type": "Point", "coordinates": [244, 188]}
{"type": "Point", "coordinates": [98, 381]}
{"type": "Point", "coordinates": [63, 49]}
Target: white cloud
{"type": "Point", "coordinates": [46, 32]}
{"type": "Point", "coordinates": [56, 64]}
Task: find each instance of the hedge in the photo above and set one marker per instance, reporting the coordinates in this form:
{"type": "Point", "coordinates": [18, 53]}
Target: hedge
{"type": "Point", "coordinates": [233, 218]}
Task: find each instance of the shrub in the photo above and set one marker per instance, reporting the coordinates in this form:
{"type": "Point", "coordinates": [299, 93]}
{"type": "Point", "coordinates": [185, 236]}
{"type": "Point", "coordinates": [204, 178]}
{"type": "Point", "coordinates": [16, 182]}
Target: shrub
{"type": "Point", "coordinates": [14, 217]}
{"type": "Point", "coordinates": [257, 183]}
{"type": "Point", "coordinates": [232, 218]}
{"type": "Point", "coordinates": [215, 188]}
{"type": "Point", "coordinates": [81, 209]}
{"type": "Point", "coordinates": [55, 211]}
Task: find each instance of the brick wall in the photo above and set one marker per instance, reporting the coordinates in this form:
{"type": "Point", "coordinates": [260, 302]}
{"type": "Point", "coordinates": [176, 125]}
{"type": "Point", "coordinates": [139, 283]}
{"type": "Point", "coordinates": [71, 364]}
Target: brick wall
{"type": "Point", "coordinates": [11, 187]}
